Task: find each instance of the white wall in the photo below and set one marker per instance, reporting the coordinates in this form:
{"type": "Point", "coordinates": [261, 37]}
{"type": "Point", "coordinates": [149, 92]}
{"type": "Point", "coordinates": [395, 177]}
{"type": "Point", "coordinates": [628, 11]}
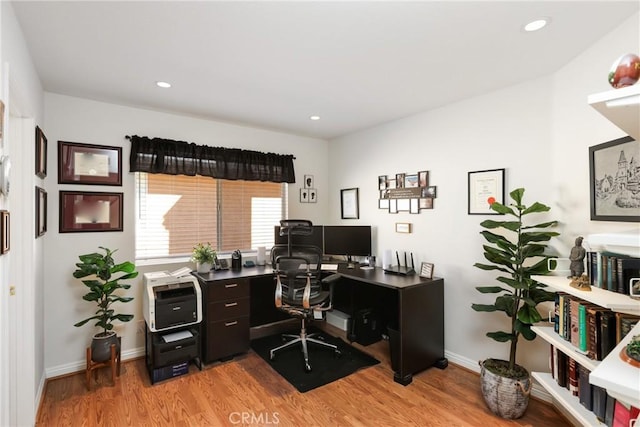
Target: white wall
{"type": "Point", "coordinates": [81, 120]}
{"type": "Point", "coordinates": [22, 267]}
{"type": "Point", "coordinates": [539, 131]}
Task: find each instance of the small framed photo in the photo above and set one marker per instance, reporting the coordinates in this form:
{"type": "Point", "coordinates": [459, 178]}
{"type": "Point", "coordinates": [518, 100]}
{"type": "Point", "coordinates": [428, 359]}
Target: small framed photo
{"type": "Point", "coordinates": [393, 206]}
{"type": "Point", "coordinates": [391, 184]}
{"type": "Point", "coordinates": [308, 181]}
{"type": "Point", "coordinates": [41, 212]}
{"type": "Point", "coordinates": [423, 179]}
{"type": "Point", "coordinates": [304, 195]}
{"type": "Point", "coordinates": [85, 211]}
{"type": "Point", "coordinates": [313, 195]}
{"type": "Point", "coordinates": [403, 227]}
{"type": "Point", "coordinates": [429, 192]}
{"type": "Point", "coordinates": [5, 229]}
{"type": "Point", "coordinates": [89, 164]}
{"type": "Point", "coordinates": [349, 208]}
{"type": "Point", "coordinates": [414, 206]}
{"type": "Point", "coordinates": [41, 153]}
{"type": "Point", "coordinates": [411, 181]}
{"type": "Point", "coordinates": [426, 270]}
{"type": "Point", "coordinates": [383, 203]}
{"type": "Point", "coordinates": [426, 203]}
{"type": "Point", "coordinates": [403, 205]}
{"type": "Point", "coordinates": [612, 178]}
{"type": "Point", "coordinates": [485, 188]}
{"type": "Point", "coordinates": [400, 180]}
{"type": "Point", "coordinates": [382, 182]}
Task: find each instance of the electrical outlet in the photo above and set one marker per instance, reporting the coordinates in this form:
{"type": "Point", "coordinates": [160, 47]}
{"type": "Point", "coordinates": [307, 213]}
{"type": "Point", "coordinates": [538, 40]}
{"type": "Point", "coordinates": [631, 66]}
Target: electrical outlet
{"type": "Point", "coordinates": [140, 327]}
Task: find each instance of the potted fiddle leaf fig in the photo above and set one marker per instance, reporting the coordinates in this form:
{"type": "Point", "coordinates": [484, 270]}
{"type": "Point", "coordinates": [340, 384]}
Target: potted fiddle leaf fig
{"type": "Point", "coordinates": [517, 251]}
{"type": "Point", "coordinates": [103, 277]}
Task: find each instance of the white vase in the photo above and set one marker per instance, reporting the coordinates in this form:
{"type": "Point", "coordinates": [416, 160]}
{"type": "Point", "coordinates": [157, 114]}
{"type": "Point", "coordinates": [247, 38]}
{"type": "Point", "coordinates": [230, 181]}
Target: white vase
{"type": "Point", "coordinates": [203, 267]}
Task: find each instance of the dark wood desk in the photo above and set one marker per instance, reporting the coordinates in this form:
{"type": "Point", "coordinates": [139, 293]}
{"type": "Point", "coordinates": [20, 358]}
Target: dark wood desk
{"type": "Point", "coordinates": [412, 304]}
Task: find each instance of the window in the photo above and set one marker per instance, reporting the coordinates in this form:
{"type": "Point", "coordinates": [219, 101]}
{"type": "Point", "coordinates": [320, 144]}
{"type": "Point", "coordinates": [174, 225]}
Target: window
{"type": "Point", "coordinates": [174, 212]}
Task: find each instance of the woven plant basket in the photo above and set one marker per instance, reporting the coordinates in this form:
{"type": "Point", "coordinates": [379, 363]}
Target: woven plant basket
{"type": "Point", "coordinates": [505, 397]}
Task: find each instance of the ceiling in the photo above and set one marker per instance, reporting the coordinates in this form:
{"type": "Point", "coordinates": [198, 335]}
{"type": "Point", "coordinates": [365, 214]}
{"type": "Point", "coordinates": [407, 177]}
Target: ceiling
{"type": "Point", "coordinates": [274, 64]}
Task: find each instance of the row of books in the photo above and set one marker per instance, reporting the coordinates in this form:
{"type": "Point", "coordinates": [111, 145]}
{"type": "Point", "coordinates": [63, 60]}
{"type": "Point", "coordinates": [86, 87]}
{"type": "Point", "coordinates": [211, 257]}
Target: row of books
{"type": "Point", "coordinates": [611, 271]}
{"type": "Point", "coordinates": [591, 329]}
{"type": "Point", "coordinates": [574, 377]}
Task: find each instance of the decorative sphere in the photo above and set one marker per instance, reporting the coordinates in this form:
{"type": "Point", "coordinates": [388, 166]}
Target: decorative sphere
{"type": "Point", "coordinates": [625, 71]}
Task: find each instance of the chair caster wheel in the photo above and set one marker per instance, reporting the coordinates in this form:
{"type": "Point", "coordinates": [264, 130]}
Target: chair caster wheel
{"type": "Point", "coordinates": [307, 368]}
{"type": "Point", "coordinates": [337, 353]}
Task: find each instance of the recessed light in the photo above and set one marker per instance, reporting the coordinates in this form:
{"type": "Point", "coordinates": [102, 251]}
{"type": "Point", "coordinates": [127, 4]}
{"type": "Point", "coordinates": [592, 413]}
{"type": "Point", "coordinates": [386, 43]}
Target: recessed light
{"type": "Point", "coordinates": [314, 117]}
{"type": "Point", "coordinates": [536, 25]}
{"type": "Point", "coordinates": [163, 84]}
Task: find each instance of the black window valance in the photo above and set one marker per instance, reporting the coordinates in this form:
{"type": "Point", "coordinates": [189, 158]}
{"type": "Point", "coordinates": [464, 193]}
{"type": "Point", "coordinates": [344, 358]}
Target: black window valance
{"type": "Point", "coordinates": [158, 155]}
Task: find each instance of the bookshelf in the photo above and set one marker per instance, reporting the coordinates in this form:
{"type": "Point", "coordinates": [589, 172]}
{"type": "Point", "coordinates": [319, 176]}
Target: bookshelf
{"type": "Point", "coordinates": [621, 380]}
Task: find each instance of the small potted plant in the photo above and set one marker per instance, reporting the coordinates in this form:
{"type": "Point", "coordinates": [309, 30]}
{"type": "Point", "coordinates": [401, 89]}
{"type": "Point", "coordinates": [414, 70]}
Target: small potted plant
{"type": "Point", "coordinates": [102, 284]}
{"type": "Point", "coordinates": [631, 352]}
{"type": "Point", "coordinates": [516, 251]}
{"type": "Point", "coordinates": [203, 255]}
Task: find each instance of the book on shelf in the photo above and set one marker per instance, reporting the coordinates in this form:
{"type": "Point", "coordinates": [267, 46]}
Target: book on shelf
{"type": "Point", "coordinates": [625, 415]}
{"type": "Point", "coordinates": [628, 268]}
{"type": "Point", "coordinates": [607, 333]}
{"type": "Point", "coordinates": [574, 321]}
{"type": "Point", "coordinates": [573, 376]}
{"type": "Point", "coordinates": [584, 387]}
{"type": "Point", "coordinates": [612, 271]}
{"type": "Point", "coordinates": [608, 413]}
{"type": "Point", "coordinates": [599, 401]}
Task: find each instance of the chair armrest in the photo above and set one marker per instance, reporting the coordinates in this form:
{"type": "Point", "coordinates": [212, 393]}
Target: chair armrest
{"type": "Point", "coordinates": [331, 280]}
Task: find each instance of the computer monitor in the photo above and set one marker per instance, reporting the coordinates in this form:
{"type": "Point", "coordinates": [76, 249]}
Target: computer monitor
{"type": "Point", "coordinates": [350, 240]}
{"type": "Point", "coordinates": [315, 238]}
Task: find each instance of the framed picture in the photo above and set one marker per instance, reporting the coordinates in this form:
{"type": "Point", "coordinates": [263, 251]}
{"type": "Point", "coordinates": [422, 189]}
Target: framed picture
{"type": "Point", "coordinates": [403, 227]}
{"type": "Point", "coordinates": [85, 211]}
{"type": "Point", "coordinates": [89, 164]}
{"type": "Point", "coordinates": [426, 204]}
{"type": "Point", "coordinates": [1, 122]}
{"type": "Point", "coordinates": [414, 206]}
{"type": "Point", "coordinates": [411, 181]}
{"type": "Point", "coordinates": [429, 192]}
{"type": "Point", "coordinates": [383, 204]}
{"type": "Point", "coordinates": [41, 153]}
{"type": "Point", "coordinates": [5, 229]}
{"type": "Point", "coordinates": [391, 184]}
{"type": "Point", "coordinates": [403, 205]}
{"type": "Point", "coordinates": [485, 188]}
{"type": "Point", "coordinates": [393, 206]}
{"type": "Point", "coordinates": [613, 178]}
{"type": "Point", "coordinates": [382, 182]}
{"type": "Point", "coordinates": [304, 195]}
{"type": "Point", "coordinates": [426, 270]}
{"type": "Point", "coordinates": [349, 203]}
{"type": "Point", "coordinates": [399, 180]}
{"type": "Point", "coordinates": [41, 212]}
{"type": "Point", "coordinates": [308, 181]}
{"type": "Point", "coordinates": [313, 195]}
{"type": "Point", "coordinates": [423, 179]}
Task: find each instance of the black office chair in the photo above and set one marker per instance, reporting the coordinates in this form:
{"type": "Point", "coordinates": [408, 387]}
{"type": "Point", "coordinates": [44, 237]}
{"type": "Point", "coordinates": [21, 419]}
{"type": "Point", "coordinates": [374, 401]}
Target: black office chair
{"type": "Point", "coordinates": [299, 288]}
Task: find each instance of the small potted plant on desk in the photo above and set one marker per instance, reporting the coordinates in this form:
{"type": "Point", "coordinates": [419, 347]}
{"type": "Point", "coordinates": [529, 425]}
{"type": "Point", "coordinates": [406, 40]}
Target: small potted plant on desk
{"type": "Point", "coordinates": [102, 287]}
{"type": "Point", "coordinates": [203, 255]}
{"type": "Point", "coordinates": [505, 384]}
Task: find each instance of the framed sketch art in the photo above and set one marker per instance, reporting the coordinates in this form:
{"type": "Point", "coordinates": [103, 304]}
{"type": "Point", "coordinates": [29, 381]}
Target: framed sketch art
{"type": "Point", "coordinates": [349, 203]}
{"type": "Point", "coordinates": [89, 164]}
{"type": "Point", "coordinates": [41, 212]}
{"type": "Point", "coordinates": [614, 180]}
{"type": "Point", "coordinates": [41, 153]}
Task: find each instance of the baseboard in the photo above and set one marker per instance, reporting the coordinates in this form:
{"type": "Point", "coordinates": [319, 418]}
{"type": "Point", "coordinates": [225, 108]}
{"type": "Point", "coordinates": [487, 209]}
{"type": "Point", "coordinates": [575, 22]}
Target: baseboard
{"type": "Point", "coordinates": [81, 365]}
{"type": "Point", "coordinates": [537, 391]}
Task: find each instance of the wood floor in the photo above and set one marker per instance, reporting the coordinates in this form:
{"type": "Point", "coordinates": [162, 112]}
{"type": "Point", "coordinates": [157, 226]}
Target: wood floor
{"type": "Point", "coordinates": [247, 392]}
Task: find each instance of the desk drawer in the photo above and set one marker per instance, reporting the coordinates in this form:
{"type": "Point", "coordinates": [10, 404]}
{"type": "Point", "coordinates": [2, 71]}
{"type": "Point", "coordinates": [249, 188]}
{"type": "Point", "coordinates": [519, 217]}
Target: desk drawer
{"type": "Point", "coordinates": [228, 309]}
{"type": "Point", "coordinates": [227, 338]}
{"type": "Point", "coordinates": [227, 290]}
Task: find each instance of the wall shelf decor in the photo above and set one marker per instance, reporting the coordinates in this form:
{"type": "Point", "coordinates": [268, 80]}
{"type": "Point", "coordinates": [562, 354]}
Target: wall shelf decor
{"type": "Point", "coordinates": [406, 192]}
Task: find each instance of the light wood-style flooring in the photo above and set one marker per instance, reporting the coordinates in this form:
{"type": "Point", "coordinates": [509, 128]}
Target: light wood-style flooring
{"type": "Point", "coordinates": [247, 392]}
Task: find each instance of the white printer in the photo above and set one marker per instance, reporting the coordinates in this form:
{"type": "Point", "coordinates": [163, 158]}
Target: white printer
{"type": "Point", "coordinates": [171, 299]}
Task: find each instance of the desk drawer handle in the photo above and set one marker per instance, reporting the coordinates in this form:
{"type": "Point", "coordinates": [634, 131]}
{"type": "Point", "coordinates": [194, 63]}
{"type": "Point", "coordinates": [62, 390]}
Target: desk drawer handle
{"type": "Point", "coordinates": [231, 285]}
{"type": "Point", "coordinates": [235, 322]}
{"type": "Point", "coordinates": [230, 304]}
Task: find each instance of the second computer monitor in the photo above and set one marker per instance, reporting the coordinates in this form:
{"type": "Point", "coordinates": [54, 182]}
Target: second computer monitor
{"type": "Point", "coordinates": [351, 240]}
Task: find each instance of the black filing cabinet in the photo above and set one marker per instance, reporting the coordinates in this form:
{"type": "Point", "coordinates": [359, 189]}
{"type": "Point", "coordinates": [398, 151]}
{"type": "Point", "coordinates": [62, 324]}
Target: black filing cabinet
{"type": "Point", "coordinates": [226, 313]}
